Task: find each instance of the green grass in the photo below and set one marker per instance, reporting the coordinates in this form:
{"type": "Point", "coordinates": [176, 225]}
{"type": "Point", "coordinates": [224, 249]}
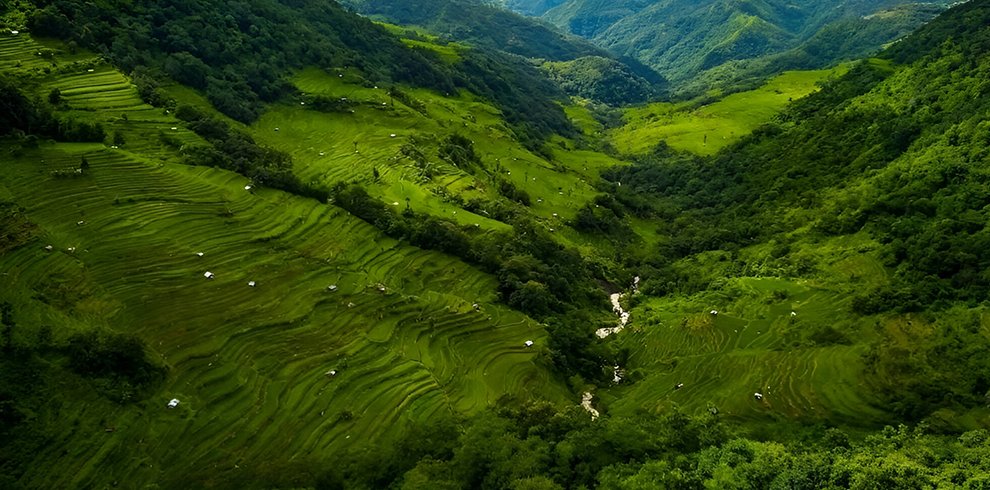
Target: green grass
{"type": "Point", "coordinates": [247, 363]}
{"type": "Point", "coordinates": [707, 129]}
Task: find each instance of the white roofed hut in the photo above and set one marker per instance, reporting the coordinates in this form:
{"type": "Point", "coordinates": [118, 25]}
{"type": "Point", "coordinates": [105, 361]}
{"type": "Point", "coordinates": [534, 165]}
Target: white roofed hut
{"type": "Point", "coordinates": [173, 403]}
{"type": "Point", "coordinates": [528, 343]}
{"type": "Point", "coordinates": [209, 275]}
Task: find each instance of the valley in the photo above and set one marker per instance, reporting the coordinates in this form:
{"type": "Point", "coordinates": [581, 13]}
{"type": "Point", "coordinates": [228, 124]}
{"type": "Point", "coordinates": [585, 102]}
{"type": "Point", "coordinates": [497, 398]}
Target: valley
{"type": "Point", "coordinates": [456, 271]}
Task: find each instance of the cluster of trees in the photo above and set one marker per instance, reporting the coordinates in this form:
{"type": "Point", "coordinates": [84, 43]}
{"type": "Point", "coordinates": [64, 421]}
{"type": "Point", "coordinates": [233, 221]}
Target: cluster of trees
{"type": "Point", "coordinates": [33, 118]}
{"type": "Point", "coordinates": [942, 368]}
{"type": "Point", "coordinates": [459, 151]}
{"type": "Point", "coordinates": [602, 79]}
{"type": "Point", "coordinates": [41, 372]}
{"type": "Point", "coordinates": [117, 363]}
{"type": "Point", "coordinates": [16, 229]}
{"type": "Point", "coordinates": [603, 215]}
{"type": "Point", "coordinates": [237, 151]}
{"type": "Point", "coordinates": [532, 446]}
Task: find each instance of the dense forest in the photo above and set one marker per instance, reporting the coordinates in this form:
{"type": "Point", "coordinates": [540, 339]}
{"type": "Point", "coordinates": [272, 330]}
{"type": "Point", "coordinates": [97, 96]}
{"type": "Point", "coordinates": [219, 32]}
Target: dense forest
{"type": "Point", "coordinates": [530, 446]}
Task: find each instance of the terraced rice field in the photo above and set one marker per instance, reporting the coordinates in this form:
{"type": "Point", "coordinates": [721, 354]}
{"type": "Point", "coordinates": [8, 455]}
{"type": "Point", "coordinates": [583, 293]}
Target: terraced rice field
{"type": "Point", "coordinates": [724, 359]}
{"type": "Point", "coordinates": [105, 94]}
{"type": "Point", "coordinates": [283, 370]}
{"type": "Point", "coordinates": [21, 53]}
{"type": "Point", "coordinates": [249, 363]}
{"type": "Point", "coordinates": [336, 147]}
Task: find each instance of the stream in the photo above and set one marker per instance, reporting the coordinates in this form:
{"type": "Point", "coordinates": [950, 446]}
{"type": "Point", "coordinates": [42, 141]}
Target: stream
{"type": "Point", "coordinates": [615, 299]}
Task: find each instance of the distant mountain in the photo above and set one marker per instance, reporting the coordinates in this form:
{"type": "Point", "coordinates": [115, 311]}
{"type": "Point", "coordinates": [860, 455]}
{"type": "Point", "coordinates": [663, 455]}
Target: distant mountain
{"type": "Point", "coordinates": [482, 25]}
{"type": "Point", "coordinates": [531, 7]}
{"type": "Point", "coordinates": [489, 26]}
{"type": "Point", "coordinates": [845, 39]}
{"type": "Point", "coordinates": [682, 38]}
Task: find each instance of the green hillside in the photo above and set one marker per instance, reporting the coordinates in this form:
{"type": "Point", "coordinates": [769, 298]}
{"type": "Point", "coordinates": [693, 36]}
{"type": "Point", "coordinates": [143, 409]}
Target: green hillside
{"type": "Point", "coordinates": [831, 194]}
{"type": "Point", "coordinates": [699, 44]}
{"type": "Point", "coordinates": [819, 279]}
{"type": "Point", "coordinates": [706, 129]}
{"type": "Point", "coordinates": [249, 362]}
{"type": "Point", "coordinates": [482, 25]}
{"type": "Point", "coordinates": [279, 245]}
{"type": "Point", "coordinates": [530, 7]}
{"type": "Point", "coordinates": [578, 65]}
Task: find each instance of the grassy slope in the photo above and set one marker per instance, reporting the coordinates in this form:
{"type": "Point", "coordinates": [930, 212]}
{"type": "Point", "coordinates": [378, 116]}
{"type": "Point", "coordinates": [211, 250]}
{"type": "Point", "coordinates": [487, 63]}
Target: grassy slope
{"type": "Point", "coordinates": [707, 129]}
{"type": "Point", "coordinates": [247, 363]}
{"type": "Point", "coordinates": [560, 186]}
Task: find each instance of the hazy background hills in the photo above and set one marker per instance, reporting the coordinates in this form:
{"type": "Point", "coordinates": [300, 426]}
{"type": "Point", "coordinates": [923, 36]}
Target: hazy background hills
{"type": "Point", "coordinates": [581, 68]}
{"type": "Point", "coordinates": [682, 39]}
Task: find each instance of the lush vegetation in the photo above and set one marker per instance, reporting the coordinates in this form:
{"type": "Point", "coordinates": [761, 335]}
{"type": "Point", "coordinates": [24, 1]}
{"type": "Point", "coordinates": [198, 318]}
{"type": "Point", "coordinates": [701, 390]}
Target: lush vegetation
{"type": "Point", "coordinates": [705, 128]}
{"type": "Point", "coordinates": [876, 153]}
{"type": "Point", "coordinates": [531, 446]}
{"type": "Point", "coordinates": [238, 56]}
{"type": "Point", "coordinates": [580, 68]}
{"type": "Point", "coordinates": [530, 7]}
{"type": "Point", "coordinates": [701, 45]}
{"type": "Point", "coordinates": [109, 244]}
{"type": "Point", "coordinates": [29, 119]}
{"type": "Point", "coordinates": [376, 284]}
{"type": "Point", "coordinates": [482, 25]}
{"type": "Point", "coordinates": [601, 79]}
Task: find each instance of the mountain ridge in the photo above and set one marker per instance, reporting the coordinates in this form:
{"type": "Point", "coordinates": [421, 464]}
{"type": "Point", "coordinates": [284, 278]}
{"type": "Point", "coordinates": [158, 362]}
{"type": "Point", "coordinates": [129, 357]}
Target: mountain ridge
{"type": "Point", "coordinates": [682, 40]}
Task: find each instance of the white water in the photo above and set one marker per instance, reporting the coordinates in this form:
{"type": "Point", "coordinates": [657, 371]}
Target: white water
{"type": "Point", "coordinates": [617, 308]}
{"type": "Point", "coordinates": [623, 317]}
{"type": "Point", "coordinates": [586, 404]}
